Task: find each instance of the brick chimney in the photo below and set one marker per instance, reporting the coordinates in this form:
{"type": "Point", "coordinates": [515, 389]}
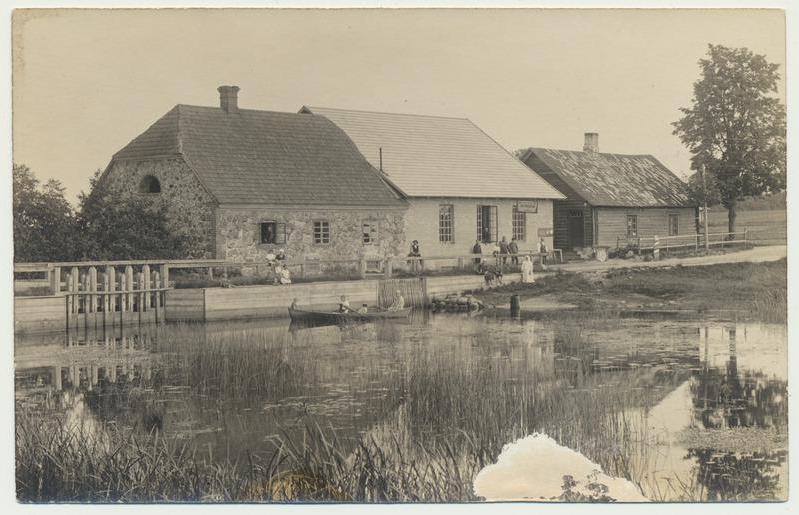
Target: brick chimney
{"type": "Point", "coordinates": [229, 98]}
{"type": "Point", "coordinates": [591, 142]}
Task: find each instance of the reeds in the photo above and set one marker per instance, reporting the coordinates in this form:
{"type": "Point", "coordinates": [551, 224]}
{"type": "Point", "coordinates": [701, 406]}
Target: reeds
{"type": "Point", "coordinates": [444, 416]}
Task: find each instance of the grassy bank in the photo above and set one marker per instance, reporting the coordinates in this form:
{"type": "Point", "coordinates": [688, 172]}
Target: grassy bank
{"type": "Point", "coordinates": [755, 291]}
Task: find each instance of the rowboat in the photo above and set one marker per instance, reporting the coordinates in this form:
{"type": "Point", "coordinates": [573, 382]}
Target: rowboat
{"type": "Point", "coordinates": [335, 317]}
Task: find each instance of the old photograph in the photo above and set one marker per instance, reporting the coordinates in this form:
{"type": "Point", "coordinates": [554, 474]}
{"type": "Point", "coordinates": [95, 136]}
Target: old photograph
{"type": "Point", "coordinates": [399, 255]}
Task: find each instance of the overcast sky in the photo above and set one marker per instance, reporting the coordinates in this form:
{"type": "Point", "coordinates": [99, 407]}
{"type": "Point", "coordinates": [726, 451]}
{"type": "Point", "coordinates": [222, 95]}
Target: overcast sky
{"type": "Point", "coordinates": [86, 82]}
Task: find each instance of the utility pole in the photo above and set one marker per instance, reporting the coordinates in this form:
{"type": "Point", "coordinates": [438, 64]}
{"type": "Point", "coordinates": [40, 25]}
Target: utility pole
{"type": "Point", "coordinates": [704, 201]}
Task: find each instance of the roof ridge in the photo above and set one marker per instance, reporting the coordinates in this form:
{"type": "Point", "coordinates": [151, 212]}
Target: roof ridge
{"type": "Point", "coordinates": [311, 108]}
{"type": "Point", "coordinates": [216, 108]}
{"type": "Point", "coordinates": [584, 152]}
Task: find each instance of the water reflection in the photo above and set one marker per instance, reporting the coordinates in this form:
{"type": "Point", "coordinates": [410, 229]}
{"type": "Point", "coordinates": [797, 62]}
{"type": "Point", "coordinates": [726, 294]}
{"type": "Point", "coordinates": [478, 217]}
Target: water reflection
{"type": "Point", "coordinates": [234, 387]}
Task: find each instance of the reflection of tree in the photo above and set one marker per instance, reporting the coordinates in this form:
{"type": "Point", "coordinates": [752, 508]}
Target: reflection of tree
{"type": "Point", "coordinates": [731, 476]}
{"type": "Point", "coordinates": [742, 400]}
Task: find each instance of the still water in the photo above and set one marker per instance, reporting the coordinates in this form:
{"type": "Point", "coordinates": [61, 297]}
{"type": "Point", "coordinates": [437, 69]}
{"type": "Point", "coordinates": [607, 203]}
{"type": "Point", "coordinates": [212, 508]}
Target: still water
{"type": "Point", "coordinates": [703, 405]}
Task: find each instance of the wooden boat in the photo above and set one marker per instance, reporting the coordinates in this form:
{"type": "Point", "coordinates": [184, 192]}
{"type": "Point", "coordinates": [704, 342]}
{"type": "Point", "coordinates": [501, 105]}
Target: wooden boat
{"type": "Point", "coordinates": [334, 317]}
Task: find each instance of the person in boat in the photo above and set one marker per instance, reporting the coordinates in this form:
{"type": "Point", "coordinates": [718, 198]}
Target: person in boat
{"type": "Point", "coordinates": [527, 270]}
{"type": "Point", "coordinates": [363, 309]}
{"type": "Point", "coordinates": [344, 305]}
{"type": "Point", "coordinates": [294, 303]}
{"type": "Point", "coordinates": [398, 304]}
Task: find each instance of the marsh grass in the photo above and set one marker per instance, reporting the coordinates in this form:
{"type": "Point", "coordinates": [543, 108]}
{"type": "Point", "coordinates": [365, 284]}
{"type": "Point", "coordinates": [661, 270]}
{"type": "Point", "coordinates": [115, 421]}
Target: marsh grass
{"type": "Point", "coordinates": [444, 417]}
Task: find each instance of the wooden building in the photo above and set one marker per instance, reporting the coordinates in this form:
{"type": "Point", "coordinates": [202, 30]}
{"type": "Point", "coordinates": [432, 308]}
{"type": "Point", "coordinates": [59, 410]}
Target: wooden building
{"type": "Point", "coordinates": [611, 199]}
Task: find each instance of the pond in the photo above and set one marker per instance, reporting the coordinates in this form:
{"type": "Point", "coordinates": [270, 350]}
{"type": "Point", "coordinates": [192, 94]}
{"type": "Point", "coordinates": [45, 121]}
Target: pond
{"type": "Point", "coordinates": [684, 410]}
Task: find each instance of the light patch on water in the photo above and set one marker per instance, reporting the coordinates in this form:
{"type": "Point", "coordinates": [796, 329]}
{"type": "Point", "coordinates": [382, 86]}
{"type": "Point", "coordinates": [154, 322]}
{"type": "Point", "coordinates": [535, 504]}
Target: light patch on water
{"type": "Point", "coordinates": [532, 469]}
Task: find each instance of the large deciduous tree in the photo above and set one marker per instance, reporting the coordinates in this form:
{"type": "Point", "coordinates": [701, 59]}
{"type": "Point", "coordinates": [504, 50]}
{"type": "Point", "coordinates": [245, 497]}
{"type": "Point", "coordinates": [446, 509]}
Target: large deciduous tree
{"type": "Point", "coordinates": [735, 127]}
{"type": "Point", "coordinates": [121, 225]}
{"type": "Point", "coordinates": [45, 227]}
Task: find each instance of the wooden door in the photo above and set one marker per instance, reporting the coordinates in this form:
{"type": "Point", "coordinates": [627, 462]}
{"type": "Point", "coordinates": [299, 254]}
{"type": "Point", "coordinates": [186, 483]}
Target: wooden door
{"type": "Point", "coordinates": [576, 228]}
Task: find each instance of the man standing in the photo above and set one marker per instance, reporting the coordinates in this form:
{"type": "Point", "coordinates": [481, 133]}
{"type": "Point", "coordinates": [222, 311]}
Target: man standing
{"type": "Point", "coordinates": [477, 249]}
{"type": "Point", "coordinates": [514, 249]}
{"type": "Point", "coordinates": [503, 250]}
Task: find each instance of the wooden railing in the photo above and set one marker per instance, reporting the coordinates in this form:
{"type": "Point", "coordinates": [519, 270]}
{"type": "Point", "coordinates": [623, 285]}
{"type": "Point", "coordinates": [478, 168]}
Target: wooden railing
{"type": "Point", "coordinates": [696, 241]}
{"type": "Point", "coordinates": [123, 286]}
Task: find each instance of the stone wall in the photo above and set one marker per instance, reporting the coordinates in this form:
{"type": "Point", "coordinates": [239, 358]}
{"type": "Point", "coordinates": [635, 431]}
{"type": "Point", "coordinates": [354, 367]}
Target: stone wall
{"type": "Point", "coordinates": [190, 206]}
{"type": "Point", "coordinates": [238, 235]}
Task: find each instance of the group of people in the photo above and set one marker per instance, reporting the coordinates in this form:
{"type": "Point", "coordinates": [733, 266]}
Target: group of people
{"type": "Point", "coordinates": [397, 304]}
{"type": "Point", "coordinates": [281, 272]}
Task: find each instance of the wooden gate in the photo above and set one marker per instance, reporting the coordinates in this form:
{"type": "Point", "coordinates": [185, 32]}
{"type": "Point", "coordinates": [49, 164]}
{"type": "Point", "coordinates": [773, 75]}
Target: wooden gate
{"type": "Point", "coordinates": [413, 291]}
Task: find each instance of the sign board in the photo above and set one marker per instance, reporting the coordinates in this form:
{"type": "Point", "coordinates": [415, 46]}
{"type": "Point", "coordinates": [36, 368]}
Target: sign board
{"type": "Point", "coordinates": [527, 206]}
{"type": "Point", "coordinates": [545, 232]}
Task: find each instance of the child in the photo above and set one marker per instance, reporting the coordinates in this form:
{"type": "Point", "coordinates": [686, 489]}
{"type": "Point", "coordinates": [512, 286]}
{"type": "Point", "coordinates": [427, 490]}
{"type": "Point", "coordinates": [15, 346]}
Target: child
{"type": "Point", "coordinates": [363, 310]}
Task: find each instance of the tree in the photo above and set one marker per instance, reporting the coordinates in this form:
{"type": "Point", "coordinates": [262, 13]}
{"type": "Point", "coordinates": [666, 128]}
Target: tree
{"type": "Point", "coordinates": [124, 226]}
{"type": "Point", "coordinates": [45, 227]}
{"type": "Point", "coordinates": [735, 127]}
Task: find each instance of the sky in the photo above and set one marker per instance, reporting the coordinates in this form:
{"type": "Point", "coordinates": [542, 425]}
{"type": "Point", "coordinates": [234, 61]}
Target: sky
{"type": "Point", "coordinates": [86, 82]}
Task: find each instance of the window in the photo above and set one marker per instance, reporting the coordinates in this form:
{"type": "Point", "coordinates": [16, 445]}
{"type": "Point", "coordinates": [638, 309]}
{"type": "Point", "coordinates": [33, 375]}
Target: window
{"type": "Point", "coordinates": [446, 223]}
{"type": "Point", "coordinates": [321, 232]}
{"type": "Point", "coordinates": [273, 233]}
{"type": "Point", "coordinates": [674, 229]}
{"type": "Point", "coordinates": [369, 233]}
{"type": "Point", "coordinates": [632, 226]}
{"type": "Point", "coordinates": [487, 224]}
{"type": "Point", "coordinates": [519, 224]}
{"type": "Point", "coordinates": [149, 184]}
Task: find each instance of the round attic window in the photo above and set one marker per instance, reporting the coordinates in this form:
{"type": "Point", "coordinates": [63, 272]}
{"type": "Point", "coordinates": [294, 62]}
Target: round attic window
{"type": "Point", "coordinates": [149, 184]}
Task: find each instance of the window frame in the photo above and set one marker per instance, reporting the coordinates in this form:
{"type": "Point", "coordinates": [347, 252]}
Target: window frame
{"type": "Point", "coordinates": [519, 224]}
{"type": "Point", "coordinates": [374, 228]}
{"type": "Point", "coordinates": [279, 229]}
{"type": "Point", "coordinates": [634, 225]}
{"type": "Point", "coordinates": [324, 227]}
{"type": "Point", "coordinates": [674, 223]}
{"type": "Point", "coordinates": [146, 185]}
{"type": "Point", "coordinates": [446, 227]}
{"type": "Point", "coordinates": [493, 230]}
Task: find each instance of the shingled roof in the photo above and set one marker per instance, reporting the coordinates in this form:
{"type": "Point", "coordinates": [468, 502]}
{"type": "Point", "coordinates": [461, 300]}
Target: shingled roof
{"type": "Point", "coordinates": [433, 156]}
{"type": "Point", "coordinates": [610, 180]}
{"type": "Point", "coordinates": [264, 157]}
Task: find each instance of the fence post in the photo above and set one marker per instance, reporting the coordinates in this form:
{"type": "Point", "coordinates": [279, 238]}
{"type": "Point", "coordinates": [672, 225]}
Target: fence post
{"type": "Point", "coordinates": [111, 274]}
{"type": "Point", "coordinates": [145, 285]}
{"type": "Point", "coordinates": [129, 286]}
{"type": "Point", "coordinates": [387, 268]}
{"type": "Point", "coordinates": [55, 280]}
{"type": "Point", "coordinates": [362, 268]}
{"type": "Point", "coordinates": [697, 243]}
{"type": "Point", "coordinates": [746, 236]}
{"type": "Point", "coordinates": [165, 275]}
{"type": "Point", "coordinates": [655, 249]}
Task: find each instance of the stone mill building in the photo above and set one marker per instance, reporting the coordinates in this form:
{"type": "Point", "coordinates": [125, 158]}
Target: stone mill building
{"type": "Point", "coordinates": [333, 184]}
{"type": "Point", "coordinates": [259, 180]}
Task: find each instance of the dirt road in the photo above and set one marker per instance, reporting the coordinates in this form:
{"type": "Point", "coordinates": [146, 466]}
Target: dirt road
{"type": "Point", "coordinates": [753, 255]}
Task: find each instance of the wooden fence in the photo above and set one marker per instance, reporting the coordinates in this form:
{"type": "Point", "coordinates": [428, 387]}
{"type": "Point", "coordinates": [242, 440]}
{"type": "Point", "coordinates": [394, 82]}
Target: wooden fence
{"type": "Point", "coordinates": [696, 241]}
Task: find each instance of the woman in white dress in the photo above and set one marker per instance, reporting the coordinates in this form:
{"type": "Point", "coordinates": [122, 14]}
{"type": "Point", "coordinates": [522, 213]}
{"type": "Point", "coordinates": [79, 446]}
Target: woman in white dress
{"type": "Point", "coordinates": [527, 270]}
